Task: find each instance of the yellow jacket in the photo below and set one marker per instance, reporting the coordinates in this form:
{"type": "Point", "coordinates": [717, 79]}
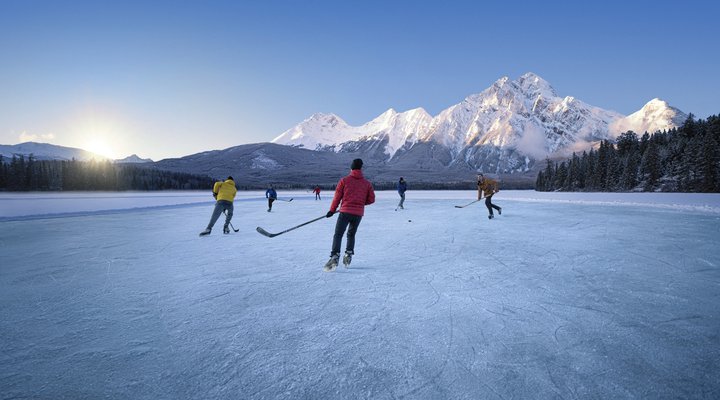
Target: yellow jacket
{"type": "Point", "coordinates": [225, 190]}
{"type": "Point", "coordinates": [489, 186]}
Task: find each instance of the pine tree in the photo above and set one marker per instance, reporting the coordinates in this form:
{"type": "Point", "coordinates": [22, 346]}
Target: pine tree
{"type": "Point", "coordinates": [709, 164]}
{"type": "Point", "coordinates": [549, 176]}
{"type": "Point", "coordinates": [650, 166]}
{"type": "Point", "coordinates": [629, 179]}
{"type": "Point", "coordinates": [560, 177]}
{"type": "Point", "coordinates": [3, 174]}
{"type": "Point", "coordinates": [540, 182]}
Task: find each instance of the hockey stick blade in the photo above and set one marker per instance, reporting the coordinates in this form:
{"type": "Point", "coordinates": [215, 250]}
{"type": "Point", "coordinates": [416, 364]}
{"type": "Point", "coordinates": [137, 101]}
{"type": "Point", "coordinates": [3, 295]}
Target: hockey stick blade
{"type": "Point", "coordinates": [264, 232]}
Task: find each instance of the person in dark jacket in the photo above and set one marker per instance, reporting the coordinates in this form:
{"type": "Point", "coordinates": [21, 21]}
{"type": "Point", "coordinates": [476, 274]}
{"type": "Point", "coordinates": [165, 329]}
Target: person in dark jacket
{"type": "Point", "coordinates": [352, 194]}
{"type": "Point", "coordinates": [270, 195]}
{"type": "Point", "coordinates": [401, 188]}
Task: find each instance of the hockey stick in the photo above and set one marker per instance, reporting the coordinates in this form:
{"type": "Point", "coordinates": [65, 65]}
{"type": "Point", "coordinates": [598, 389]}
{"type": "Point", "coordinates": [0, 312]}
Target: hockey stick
{"type": "Point", "coordinates": [291, 199]}
{"type": "Point", "coordinates": [268, 234]}
{"type": "Point", "coordinates": [472, 202]}
{"type": "Point", "coordinates": [231, 225]}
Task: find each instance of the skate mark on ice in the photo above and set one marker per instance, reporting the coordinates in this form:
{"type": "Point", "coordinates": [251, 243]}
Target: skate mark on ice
{"type": "Point", "coordinates": [496, 313]}
{"type": "Point", "coordinates": [437, 295]}
{"type": "Point", "coordinates": [688, 318]}
{"type": "Point", "coordinates": [477, 378]}
{"type": "Point", "coordinates": [442, 368]}
{"type": "Point", "coordinates": [556, 334]}
{"type": "Point", "coordinates": [707, 262]}
{"type": "Point", "coordinates": [552, 379]}
{"type": "Point", "coordinates": [377, 378]}
{"type": "Point", "coordinates": [196, 302]}
{"type": "Point", "coordinates": [582, 308]}
{"type": "Point", "coordinates": [107, 275]}
{"type": "Point", "coordinates": [654, 259]}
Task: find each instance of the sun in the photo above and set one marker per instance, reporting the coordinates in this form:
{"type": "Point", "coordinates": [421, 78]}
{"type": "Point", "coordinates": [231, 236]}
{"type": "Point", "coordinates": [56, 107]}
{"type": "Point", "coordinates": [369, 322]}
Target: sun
{"type": "Point", "coordinates": [100, 147]}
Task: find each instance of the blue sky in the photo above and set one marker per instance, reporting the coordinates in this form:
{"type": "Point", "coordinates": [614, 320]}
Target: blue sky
{"type": "Point", "coordinates": [172, 78]}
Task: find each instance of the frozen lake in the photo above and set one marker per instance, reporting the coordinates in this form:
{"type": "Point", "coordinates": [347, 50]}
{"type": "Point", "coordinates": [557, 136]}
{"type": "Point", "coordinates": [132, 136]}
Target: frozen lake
{"type": "Point", "coordinates": [107, 295]}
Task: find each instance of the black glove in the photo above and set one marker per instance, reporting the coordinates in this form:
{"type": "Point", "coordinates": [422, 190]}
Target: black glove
{"type": "Point", "coordinates": [329, 214]}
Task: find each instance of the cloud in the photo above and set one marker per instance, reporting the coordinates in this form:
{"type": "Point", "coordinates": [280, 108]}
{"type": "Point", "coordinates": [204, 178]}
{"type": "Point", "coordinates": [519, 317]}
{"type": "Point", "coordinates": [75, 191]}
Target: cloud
{"type": "Point", "coordinates": [31, 137]}
{"type": "Point", "coordinates": [532, 142]}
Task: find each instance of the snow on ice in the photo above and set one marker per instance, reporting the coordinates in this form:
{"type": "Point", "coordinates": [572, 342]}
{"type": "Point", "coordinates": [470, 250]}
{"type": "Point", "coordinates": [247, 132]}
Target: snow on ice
{"type": "Point", "coordinates": [563, 296]}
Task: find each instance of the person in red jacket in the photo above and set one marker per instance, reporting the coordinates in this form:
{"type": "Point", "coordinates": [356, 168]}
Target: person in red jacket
{"type": "Point", "coordinates": [317, 192]}
{"type": "Point", "coordinates": [355, 192]}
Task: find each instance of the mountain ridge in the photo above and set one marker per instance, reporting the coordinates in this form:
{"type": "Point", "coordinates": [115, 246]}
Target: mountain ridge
{"type": "Point", "coordinates": [505, 128]}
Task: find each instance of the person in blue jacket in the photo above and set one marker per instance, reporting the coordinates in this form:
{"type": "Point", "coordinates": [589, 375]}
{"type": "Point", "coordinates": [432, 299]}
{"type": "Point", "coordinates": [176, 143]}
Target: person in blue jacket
{"type": "Point", "coordinates": [271, 195]}
{"type": "Point", "coordinates": [401, 188]}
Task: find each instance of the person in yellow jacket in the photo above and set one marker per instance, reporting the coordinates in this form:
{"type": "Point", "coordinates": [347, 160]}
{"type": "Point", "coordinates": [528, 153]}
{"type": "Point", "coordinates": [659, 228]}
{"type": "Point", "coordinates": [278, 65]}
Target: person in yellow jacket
{"type": "Point", "coordinates": [488, 187]}
{"type": "Point", "coordinates": [224, 192]}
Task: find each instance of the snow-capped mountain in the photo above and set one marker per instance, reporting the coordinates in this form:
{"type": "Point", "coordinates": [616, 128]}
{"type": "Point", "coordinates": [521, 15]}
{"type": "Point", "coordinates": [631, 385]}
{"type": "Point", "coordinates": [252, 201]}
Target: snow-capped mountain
{"type": "Point", "coordinates": [133, 159]}
{"type": "Point", "coordinates": [656, 115]}
{"type": "Point", "coordinates": [505, 128]}
{"type": "Point", "coordinates": [330, 132]}
{"type": "Point", "coordinates": [46, 151]}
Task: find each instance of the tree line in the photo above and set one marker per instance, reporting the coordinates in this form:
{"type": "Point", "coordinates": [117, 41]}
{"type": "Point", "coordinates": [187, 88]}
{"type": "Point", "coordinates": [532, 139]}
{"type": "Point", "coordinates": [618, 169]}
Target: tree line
{"type": "Point", "coordinates": [684, 159]}
{"type": "Point", "coordinates": [29, 174]}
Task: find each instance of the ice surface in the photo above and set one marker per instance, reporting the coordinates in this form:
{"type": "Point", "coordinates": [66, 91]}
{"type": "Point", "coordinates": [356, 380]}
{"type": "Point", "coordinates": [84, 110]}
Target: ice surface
{"type": "Point", "coordinates": [563, 296]}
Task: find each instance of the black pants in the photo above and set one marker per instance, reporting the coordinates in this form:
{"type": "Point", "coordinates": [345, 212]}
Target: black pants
{"type": "Point", "coordinates": [490, 205]}
{"type": "Point", "coordinates": [344, 220]}
{"type": "Point", "coordinates": [270, 201]}
{"type": "Point", "coordinates": [317, 196]}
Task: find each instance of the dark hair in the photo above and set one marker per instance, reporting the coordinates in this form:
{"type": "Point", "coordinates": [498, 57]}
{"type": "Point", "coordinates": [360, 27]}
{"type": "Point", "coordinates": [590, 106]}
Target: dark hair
{"type": "Point", "coordinates": [356, 164]}
{"type": "Point", "coordinates": [231, 178]}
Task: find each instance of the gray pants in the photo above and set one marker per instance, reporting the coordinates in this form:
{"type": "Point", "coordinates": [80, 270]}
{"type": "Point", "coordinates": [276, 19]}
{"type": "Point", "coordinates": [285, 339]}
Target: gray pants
{"type": "Point", "coordinates": [221, 206]}
{"type": "Point", "coordinates": [402, 199]}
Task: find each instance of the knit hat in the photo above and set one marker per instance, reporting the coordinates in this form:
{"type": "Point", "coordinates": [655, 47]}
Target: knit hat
{"type": "Point", "coordinates": [356, 164]}
{"type": "Point", "coordinates": [231, 178]}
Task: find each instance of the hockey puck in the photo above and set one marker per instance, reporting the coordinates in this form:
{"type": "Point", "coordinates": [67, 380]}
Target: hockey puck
{"type": "Point", "coordinates": [409, 220]}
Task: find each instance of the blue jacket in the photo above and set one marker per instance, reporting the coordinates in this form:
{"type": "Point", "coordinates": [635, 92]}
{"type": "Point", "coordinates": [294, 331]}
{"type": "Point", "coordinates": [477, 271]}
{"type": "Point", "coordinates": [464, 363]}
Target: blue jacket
{"type": "Point", "coordinates": [402, 187]}
{"type": "Point", "coordinates": [271, 193]}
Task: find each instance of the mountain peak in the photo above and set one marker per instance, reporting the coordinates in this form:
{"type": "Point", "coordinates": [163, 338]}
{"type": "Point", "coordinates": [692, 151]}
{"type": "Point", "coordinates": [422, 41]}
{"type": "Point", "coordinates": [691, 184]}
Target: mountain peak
{"type": "Point", "coordinates": [500, 82]}
{"type": "Point", "coordinates": [134, 158]}
{"type": "Point", "coordinates": [533, 84]}
{"type": "Point", "coordinates": [654, 116]}
{"type": "Point", "coordinates": [318, 116]}
{"type": "Point", "coordinates": [655, 104]}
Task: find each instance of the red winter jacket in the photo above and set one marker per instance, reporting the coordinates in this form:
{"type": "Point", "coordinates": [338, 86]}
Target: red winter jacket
{"type": "Point", "coordinates": [355, 192]}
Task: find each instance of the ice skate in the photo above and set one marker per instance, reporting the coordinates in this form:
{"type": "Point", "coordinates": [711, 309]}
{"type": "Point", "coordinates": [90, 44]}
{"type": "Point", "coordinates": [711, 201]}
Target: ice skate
{"type": "Point", "coordinates": [332, 263]}
{"type": "Point", "coordinates": [205, 232]}
{"type": "Point", "coordinates": [347, 259]}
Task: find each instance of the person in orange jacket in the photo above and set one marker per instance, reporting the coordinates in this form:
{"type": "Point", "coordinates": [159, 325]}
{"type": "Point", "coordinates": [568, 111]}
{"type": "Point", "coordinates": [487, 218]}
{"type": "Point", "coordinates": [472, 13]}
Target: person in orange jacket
{"type": "Point", "coordinates": [488, 187]}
